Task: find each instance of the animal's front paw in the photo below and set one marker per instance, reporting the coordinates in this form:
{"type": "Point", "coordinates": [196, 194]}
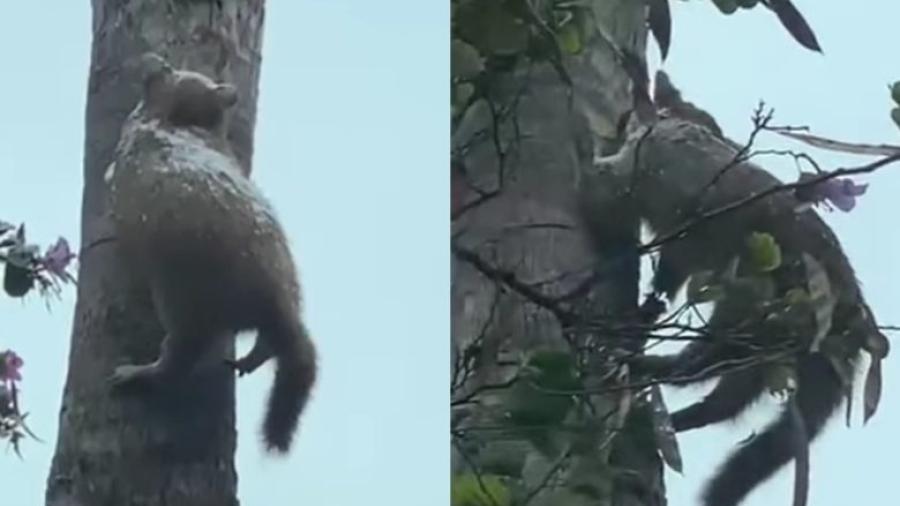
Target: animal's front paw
{"type": "Point", "coordinates": [132, 375]}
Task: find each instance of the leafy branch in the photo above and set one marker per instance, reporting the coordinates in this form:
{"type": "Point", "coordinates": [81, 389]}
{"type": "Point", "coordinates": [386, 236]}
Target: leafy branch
{"type": "Point", "coordinates": [25, 269]}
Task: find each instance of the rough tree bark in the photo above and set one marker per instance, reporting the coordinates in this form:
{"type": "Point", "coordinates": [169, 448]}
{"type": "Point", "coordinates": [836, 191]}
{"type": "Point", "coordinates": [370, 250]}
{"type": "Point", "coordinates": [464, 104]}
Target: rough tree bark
{"type": "Point", "coordinates": [114, 449]}
{"type": "Point", "coordinates": [530, 228]}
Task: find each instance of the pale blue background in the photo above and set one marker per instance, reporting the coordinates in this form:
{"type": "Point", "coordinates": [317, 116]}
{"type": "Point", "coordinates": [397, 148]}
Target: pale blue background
{"type": "Point", "coordinates": [352, 144]}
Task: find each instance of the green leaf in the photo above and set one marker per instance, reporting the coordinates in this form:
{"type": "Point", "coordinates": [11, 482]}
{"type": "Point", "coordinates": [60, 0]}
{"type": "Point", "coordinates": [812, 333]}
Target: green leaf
{"type": "Point", "coordinates": [469, 489]}
{"type": "Point", "coordinates": [570, 38]}
{"type": "Point", "coordinates": [876, 343]}
{"type": "Point", "coordinates": [530, 407]}
{"type": "Point", "coordinates": [872, 391]}
{"type": "Point", "coordinates": [543, 41]}
{"type": "Point", "coordinates": [465, 62]}
{"type": "Point", "coordinates": [492, 28]}
{"type": "Point", "coordinates": [795, 24]}
{"type": "Point", "coordinates": [765, 254]}
{"type": "Point", "coordinates": [17, 281]}
{"type": "Point", "coordinates": [895, 115]}
{"type": "Point", "coordinates": [895, 92]}
{"type": "Point", "coordinates": [659, 20]}
{"type": "Point", "coordinates": [663, 431]}
{"type": "Point", "coordinates": [553, 369]}
{"type": "Point", "coordinates": [848, 396]}
{"type": "Point", "coordinates": [538, 403]}
{"type": "Point", "coordinates": [528, 401]}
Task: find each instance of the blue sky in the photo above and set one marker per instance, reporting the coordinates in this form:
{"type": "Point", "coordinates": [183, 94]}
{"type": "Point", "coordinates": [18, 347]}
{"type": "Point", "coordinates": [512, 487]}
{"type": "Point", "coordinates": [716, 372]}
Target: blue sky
{"type": "Point", "coordinates": [351, 148]}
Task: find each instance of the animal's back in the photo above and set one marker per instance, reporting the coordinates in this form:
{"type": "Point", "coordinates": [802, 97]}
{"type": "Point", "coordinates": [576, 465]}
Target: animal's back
{"type": "Point", "coordinates": [193, 223]}
{"type": "Point", "coordinates": [796, 230]}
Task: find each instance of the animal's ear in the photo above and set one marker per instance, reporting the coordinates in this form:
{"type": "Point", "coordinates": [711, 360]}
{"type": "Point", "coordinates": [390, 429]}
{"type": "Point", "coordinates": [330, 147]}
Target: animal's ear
{"type": "Point", "coordinates": [227, 94]}
{"type": "Point", "coordinates": [153, 65]}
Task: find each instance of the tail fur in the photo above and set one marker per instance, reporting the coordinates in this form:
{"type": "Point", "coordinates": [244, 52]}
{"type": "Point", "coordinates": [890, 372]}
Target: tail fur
{"type": "Point", "coordinates": [294, 378]}
{"type": "Point", "coordinates": [819, 393]}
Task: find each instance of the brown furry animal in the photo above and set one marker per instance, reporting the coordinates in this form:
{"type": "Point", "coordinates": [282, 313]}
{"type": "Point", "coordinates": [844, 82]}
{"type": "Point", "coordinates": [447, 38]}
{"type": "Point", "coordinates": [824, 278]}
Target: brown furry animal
{"type": "Point", "coordinates": [667, 96]}
{"type": "Point", "coordinates": [676, 177]}
{"type": "Point", "coordinates": [185, 97]}
{"type": "Point", "coordinates": [207, 244]}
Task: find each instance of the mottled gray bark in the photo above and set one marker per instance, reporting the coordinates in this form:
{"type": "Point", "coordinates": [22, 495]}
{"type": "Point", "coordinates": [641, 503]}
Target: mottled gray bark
{"type": "Point", "coordinates": [531, 228]}
{"type": "Point", "coordinates": [114, 449]}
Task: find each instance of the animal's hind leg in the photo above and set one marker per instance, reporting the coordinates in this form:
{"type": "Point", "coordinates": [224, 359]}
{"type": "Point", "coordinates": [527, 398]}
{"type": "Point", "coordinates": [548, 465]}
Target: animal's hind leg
{"type": "Point", "coordinates": [257, 356]}
{"type": "Point", "coordinates": [184, 345]}
{"type": "Point", "coordinates": [733, 394]}
{"type": "Point", "coordinates": [263, 348]}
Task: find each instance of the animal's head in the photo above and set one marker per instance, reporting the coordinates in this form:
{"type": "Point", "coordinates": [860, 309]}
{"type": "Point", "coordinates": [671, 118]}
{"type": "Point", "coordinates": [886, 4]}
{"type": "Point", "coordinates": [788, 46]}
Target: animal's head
{"type": "Point", "coordinates": [184, 97]}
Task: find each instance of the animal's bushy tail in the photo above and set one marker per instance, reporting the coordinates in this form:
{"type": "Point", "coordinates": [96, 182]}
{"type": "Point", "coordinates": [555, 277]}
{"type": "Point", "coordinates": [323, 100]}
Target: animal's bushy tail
{"type": "Point", "coordinates": [295, 376]}
{"type": "Point", "coordinates": [819, 393]}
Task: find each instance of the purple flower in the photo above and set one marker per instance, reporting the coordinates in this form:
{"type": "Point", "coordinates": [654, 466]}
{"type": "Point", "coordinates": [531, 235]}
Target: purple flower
{"type": "Point", "coordinates": [10, 363]}
{"type": "Point", "coordinates": [840, 192]}
{"type": "Point", "coordinates": [58, 258]}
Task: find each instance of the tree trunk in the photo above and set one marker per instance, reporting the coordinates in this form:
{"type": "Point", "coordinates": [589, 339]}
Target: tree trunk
{"type": "Point", "coordinates": [115, 449]}
{"type": "Point", "coordinates": [518, 251]}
